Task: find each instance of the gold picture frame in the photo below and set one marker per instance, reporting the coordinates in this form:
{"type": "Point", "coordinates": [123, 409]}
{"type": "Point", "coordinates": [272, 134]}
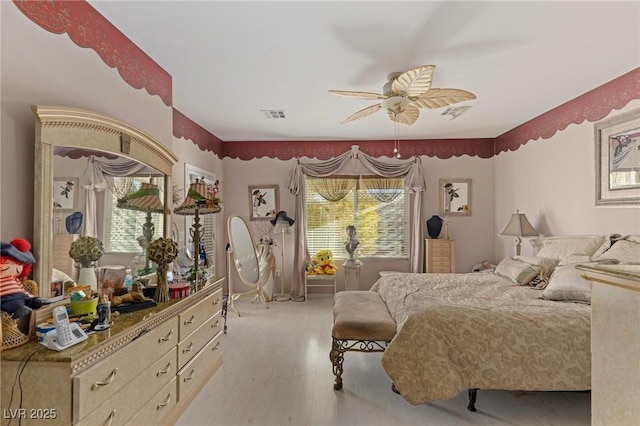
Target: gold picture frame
{"type": "Point", "coordinates": [455, 197]}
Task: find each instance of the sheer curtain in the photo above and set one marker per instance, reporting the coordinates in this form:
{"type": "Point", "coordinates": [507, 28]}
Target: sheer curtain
{"type": "Point", "coordinates": [410, 169]}
{"type": "Point", "coordinates": [95, 180]}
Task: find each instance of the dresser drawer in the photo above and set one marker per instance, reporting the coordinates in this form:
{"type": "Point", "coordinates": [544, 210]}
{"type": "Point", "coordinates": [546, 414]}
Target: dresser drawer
{"type": "Point", "coordinates": [440, 269]}
{"type": "Point", "coordinates": [157, 407]}
{"type": "Point", "coordinates": [125, 403]}
{"type": "Point", "coordinates": [189, 375]}
{"type": "Point", "coordinates": [94, 386]}
{"type": "Point", "coordinates": [190, 346]}
{"type": "Point", "coordinates": [194, 317]}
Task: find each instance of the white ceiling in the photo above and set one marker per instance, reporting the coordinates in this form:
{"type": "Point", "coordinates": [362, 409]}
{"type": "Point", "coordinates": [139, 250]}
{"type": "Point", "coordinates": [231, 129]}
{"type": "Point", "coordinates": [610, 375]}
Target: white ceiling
{"type": "Point", "coordinates": [231, 59]}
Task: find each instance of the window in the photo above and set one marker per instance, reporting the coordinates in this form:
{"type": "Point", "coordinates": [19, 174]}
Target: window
{"type": "Point", "coordinates": [376, 206]}
{"type": "Point", "coordinates": [122, 226]}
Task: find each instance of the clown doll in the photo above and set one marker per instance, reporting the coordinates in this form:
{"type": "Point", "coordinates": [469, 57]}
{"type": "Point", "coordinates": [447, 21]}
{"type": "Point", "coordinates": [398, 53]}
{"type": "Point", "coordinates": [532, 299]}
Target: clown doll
{"type": "Point", "coordinates": [15, 265]}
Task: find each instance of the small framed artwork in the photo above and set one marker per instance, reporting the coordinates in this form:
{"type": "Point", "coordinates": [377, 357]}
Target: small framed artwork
{"type": "Point", "coordinates": [65, 193]}
{"type": "Point", "coordinates": [618, 160]}
{"type": "Point", "coordinates": [264, 201]}
{"type": "Point", "coordinates": [455, 197]}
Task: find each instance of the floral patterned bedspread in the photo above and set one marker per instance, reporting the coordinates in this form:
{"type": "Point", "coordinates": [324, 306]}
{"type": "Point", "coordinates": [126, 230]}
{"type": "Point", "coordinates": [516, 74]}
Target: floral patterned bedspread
{"type": "Point", "coordinates": [464, 331]}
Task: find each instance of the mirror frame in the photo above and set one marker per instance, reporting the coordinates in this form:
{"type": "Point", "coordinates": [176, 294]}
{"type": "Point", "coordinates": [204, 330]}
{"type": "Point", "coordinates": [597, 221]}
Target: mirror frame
{"type": "Point", "coordinates": [66, 126]}
{"type": "Point", "coordinates": [442, 194]}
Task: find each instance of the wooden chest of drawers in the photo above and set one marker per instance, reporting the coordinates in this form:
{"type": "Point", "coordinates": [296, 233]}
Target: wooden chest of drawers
{"type": "Point", "coordinates": [439, 256]}
{"type": "Point", "coordinates": [145, 369]}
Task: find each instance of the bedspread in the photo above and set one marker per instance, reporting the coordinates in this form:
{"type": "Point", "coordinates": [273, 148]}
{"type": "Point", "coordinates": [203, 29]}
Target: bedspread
{"type": "Point", "coordinates": [463, 331]}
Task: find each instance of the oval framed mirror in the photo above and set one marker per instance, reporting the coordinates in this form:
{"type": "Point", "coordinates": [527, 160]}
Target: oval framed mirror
{"type": "Point", "coordinates": [245, 259]}
{"type": "Point", "coordinates": [58, 126]}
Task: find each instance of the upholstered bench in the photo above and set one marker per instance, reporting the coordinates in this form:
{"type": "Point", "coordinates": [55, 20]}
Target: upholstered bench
{"type": "Point", "coordinates": [361, 323]}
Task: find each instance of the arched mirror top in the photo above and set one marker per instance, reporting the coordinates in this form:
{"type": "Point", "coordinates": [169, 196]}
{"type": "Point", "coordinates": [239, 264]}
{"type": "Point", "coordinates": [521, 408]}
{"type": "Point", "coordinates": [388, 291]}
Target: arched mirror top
{"type": "Point", "coordinates": [63, 126]}
{"type": "Point", "coordinates": [60, 128]}
{"type": "Point", "coordinates": [244, 250]}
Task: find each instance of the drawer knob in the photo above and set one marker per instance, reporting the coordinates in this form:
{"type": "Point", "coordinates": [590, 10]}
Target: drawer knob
{"type": "Point", "coordinates": [165, 371]}
{"type": "Point", "coordinates": [96, 385]}
{"type": "Point", "coordinates": [215, 348]}
{"type": "Point", "coordinates": [190, 320]}
{"type": "Point", "coordinates": [215, 324]}
{"type": "Point", "coordinates": [166, 338]}
{"type": "Point", "coordinates": [217, 301]}
{"type": "Point", "coordinates": [188, 348]}
{"type": "Point", "coordinates": [190, 376]}
{"type": "Point", "coordinates": [166, 401]}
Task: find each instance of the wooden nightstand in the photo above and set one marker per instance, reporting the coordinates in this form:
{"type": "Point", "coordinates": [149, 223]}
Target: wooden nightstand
{"type": "Point", "coordinates": [439, 255]}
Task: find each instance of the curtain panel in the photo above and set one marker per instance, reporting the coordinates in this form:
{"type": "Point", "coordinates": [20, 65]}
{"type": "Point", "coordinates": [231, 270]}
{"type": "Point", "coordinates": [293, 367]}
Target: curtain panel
{"type": "Point", "coordinates": [410, 170]}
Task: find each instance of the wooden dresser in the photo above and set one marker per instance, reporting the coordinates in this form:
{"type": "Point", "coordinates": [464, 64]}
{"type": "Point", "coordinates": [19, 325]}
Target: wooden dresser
{"type": "Point", "coordinates": [145, 369]}
{"type": "Point", "coordinates": [439, 255]}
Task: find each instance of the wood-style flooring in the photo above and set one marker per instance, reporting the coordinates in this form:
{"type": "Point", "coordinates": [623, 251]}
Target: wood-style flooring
{"type": "Point", "coordinates": [276, 371]}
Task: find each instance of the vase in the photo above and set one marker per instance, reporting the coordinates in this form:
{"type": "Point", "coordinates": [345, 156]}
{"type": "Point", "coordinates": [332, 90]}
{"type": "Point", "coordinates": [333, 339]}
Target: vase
{"type": "Point", "coordinates": [434, 226]}
{"type": "Point", "coordinates": [162, 288]}
{"type": "Point", "coordinates": [87, 276]}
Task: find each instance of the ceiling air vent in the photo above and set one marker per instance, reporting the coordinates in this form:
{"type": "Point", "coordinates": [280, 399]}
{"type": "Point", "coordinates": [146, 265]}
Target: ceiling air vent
{"type": "Point", "coordinates": [273, 113]}
{"type": "Point", "coordinates": [456, 112]}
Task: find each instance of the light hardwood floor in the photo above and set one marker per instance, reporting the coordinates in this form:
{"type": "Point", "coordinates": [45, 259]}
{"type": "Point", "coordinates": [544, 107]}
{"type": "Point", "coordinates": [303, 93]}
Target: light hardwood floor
{"type": "Point", "coordinates": [276, 371]}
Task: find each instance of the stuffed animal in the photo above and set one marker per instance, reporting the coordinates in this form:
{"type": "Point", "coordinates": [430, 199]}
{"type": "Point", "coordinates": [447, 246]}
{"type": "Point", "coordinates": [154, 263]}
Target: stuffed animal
{"type": "Point", "coordinates": [15, 266]}
{"type": "Point", "coordinates": [324, 260]}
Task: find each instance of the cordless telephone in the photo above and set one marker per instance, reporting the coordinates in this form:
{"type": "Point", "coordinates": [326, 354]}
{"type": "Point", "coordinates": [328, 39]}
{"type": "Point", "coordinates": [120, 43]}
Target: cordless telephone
{"type": "Point", "coordinates": [66, 334]}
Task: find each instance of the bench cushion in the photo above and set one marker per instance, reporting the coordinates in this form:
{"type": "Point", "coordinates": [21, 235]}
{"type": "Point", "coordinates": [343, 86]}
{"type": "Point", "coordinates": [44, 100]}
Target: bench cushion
{"type": "Point", "coordinates": [361, 315]}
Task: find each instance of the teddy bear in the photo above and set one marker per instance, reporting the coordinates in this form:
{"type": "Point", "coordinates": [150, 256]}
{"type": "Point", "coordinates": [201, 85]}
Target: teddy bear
{"type": "Point", "coordinates": [324, 263]}
{"type": "Point", "coordinates": [15, 265]}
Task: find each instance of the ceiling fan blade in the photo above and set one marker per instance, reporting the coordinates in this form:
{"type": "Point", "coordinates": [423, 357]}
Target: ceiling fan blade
{"type": "Point", "coordinates": [408, 116]}
{"type": "Point", "coordinates": [363, 113]}
{"type": "Point", "coordinates": [414, 82]}
{"type": "Point", "coordinates": [436, 98]}
{"type": "Point", "coordinates": [357, 95]}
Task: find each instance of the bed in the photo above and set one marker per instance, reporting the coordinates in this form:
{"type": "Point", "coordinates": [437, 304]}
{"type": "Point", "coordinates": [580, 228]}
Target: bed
{"type": "Point", "coordinates": [524, 327]}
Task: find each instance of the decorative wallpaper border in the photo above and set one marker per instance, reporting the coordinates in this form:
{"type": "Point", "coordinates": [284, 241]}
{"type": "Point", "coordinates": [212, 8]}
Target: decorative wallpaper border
{"type": "Point", "coordinates": [88, 28]}
{"type": "Point", "coordinates": [184, 127]}
{"type": "Point", "coordinates": [591, 106]}
{"type": "Point", "coordinates": [323, 150]}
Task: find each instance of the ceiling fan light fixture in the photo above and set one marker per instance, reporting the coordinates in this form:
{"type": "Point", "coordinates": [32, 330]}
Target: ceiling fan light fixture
{"type": "Point", "coordinates": [395, 104]}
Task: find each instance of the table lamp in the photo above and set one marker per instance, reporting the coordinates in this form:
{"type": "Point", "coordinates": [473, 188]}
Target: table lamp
{"type": "Point", "coordinates": [199, 200]}
{"type": "Point", "coordinates": [518, 226]}
{"type": "Point", "coordinates": [146, 199]}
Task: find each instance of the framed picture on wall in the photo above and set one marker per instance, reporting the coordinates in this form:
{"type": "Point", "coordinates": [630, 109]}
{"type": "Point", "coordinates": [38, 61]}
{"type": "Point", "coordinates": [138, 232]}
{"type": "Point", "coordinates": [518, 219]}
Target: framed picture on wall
{"type": "Point", "coordinates": [65, 194]}
{"type": "Point", "coordinates": [264, 201]}
{"type": "Point", "coordinates": [455, 197]}
{"type": "Point", "coordinates": [618, 160]}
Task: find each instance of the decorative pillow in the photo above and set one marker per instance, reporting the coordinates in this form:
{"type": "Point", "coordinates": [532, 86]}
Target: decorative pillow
{"type": "Point", "coordinates": [625, 251]}
{"type": "Point", "coordinates": [560, 247]}
{"type": "Point", "coordinates": [566, 285]}
{"type": "Point", "coordinates": [546, 269]}
{"type": "Point", "coordinates": [518, 272]}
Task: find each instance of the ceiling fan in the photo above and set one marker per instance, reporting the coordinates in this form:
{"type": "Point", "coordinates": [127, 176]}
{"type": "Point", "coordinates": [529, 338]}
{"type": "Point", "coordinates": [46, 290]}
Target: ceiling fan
{"type": "Point", "coordinates": [404, 93]}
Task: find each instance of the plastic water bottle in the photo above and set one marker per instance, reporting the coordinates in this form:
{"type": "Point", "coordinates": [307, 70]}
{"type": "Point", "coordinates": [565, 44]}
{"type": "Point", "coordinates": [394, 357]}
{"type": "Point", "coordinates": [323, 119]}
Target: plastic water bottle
{"type": "Point", "coordinates": [128, 279]}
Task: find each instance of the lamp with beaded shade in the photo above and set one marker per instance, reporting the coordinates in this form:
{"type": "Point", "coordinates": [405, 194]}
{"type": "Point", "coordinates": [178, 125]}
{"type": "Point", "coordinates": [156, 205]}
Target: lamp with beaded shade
{"type": "Point", "coordinates": [199, 200]}
{"type": "Point", "coordinates": [146, 199]}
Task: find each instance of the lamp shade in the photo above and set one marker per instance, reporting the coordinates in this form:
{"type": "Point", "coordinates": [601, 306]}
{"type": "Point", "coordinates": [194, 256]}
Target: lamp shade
{"type": "Point", "coordinates": [519, 226]}
{"type": "Point", "coordinates": [146, 199]}
{"type": "Point", "coordinates": [198, 197]}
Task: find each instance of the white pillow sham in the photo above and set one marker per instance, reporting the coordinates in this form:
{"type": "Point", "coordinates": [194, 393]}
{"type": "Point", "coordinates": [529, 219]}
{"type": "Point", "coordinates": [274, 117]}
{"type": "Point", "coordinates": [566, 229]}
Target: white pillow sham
{"type": "Point", "coordinates": [561, 247]}
{"type": "Point", "coordinates": [566, 285]}
{"type": "Point", "coordinates": [517, 271]}
{"type": "Point", "coordinates": [625, 251]}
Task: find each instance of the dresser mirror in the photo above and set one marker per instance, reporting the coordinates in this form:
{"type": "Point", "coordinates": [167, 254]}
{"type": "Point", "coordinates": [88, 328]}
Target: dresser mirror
{"type": "Point", "coordinates": [67, 134]}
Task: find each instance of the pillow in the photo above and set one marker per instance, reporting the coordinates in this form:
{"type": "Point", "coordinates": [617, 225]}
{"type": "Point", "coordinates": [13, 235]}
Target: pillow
{"type": "Point", "coordinates": [547, 267]}
{"type": "Point", "coordinates": [518, 272]}
{"type": "Point", "coordinates": [566, 285]}
{"type": "Point", "coordinates": [625, 251]}
{"type": "Point", "coordinates": [560, 247]}
{"type": "Point", "coordinates": [57, 275]}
